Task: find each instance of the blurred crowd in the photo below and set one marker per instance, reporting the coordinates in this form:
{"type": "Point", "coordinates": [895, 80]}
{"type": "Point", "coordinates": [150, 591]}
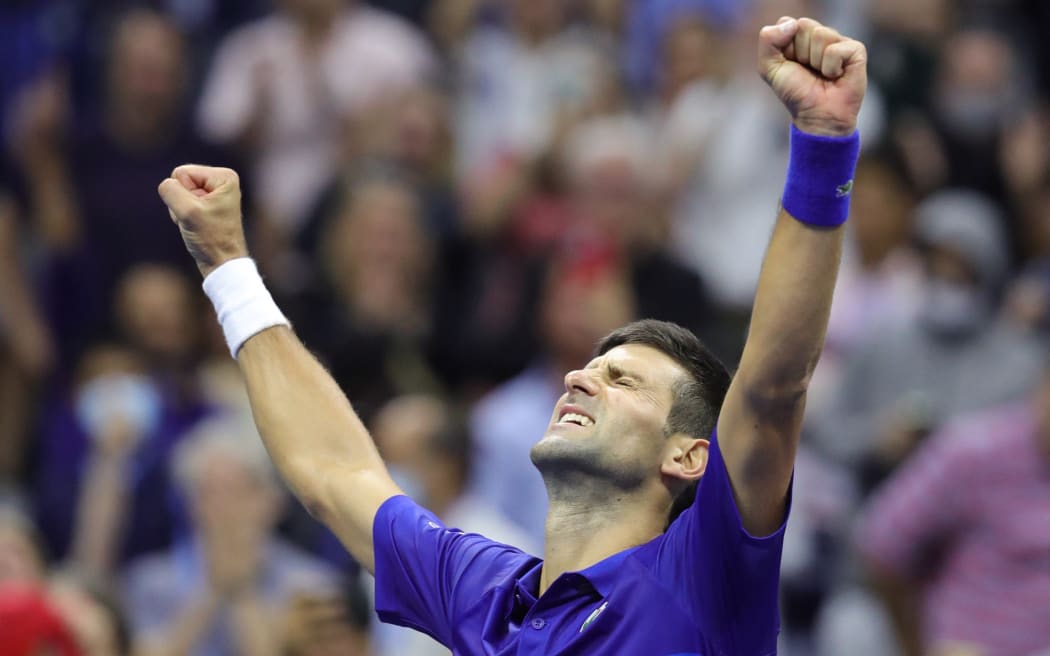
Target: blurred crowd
{"type": "Point", "coordinates": [452, 200]}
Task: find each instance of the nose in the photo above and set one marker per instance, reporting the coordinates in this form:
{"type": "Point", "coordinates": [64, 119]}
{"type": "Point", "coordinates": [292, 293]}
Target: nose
{"type": "Point", "coordinates": [580, 380]}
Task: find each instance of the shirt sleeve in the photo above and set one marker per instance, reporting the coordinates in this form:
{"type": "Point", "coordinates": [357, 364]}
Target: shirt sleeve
{"type": "Point", "coordinates": [427, 574]}
{"type": "Point", "coordinates": [727, 577]}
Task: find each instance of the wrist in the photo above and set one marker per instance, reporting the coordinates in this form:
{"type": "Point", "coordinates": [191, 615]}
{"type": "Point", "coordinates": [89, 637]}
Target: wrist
{"type": "Point", "coordinates": [207, 264]}
{"type": "Point", "coordinates": [819, 179]}
{"type": "Point", "coordinates": [826, 127]}
{"type": "Point", "coordinates": [242, 303]}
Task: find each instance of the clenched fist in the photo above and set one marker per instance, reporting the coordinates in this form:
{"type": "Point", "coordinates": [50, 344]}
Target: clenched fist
{"type": "Point", "coordinates": [205, 202]}
{"type": "Point", "coordinates": [817, 73]}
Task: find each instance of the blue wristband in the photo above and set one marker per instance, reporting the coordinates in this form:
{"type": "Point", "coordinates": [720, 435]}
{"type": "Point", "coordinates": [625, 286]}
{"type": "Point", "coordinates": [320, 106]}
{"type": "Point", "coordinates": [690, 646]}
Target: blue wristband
{"type": "Point", "coordinates": [820, 178]}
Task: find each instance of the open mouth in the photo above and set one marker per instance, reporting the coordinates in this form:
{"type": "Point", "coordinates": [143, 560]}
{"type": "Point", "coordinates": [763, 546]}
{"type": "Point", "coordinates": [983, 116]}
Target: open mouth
{"type": "Point", "coordinates": [572, 416]}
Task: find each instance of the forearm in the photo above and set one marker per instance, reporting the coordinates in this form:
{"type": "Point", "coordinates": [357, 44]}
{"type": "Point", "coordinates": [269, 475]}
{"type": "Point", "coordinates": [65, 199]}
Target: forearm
{"type": "Point", "coordinates": [100, 515]}
{"type": "Point", "coordinates": [317, 442]}
{"type": "Point", "coordinates": [791, 310]}
{"type": "Point", "coordinates": [52, 197]}
{"type": "Point", "coordinates": [901, 600]}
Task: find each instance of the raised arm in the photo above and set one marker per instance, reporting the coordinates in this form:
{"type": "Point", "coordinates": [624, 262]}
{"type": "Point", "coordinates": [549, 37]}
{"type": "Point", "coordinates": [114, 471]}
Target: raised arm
{"type": "Point", "coordinates": [319, 445]}
{"type": "Point", "coordinates": [820, 77]}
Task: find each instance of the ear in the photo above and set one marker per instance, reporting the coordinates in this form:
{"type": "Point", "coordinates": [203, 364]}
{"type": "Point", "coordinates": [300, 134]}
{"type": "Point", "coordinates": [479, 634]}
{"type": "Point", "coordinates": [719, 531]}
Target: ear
{"type": "Point", "coordinates": [685, 457]}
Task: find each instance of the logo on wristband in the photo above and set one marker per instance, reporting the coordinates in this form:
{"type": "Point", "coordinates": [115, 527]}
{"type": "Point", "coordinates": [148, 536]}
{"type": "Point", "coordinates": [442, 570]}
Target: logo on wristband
{"type": "Point", "coordinates": [844, 190]}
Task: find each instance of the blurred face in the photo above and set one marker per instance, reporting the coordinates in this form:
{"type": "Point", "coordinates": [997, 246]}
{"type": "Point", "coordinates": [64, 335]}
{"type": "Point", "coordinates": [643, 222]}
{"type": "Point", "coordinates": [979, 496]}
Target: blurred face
{"type": "Point", "coordinates": [537, 18]}
{"type": "Point", "coordinates": [156, 312]}
{"type": "Point", "coordinates": [19, 560]}
{"type": "Point", "coordinates": [880, 211]}
{"type": "Point", "coordinates": [147, 71]}
{"type": "Point", "coordinates": [610, 422]}
{"type": "Point", "coordinates": [228, 496]}
{"type": "Point", "coordinates": [976, 90]}
{"type": "Point", "coordinates": [381, 231]}
{"type": "Point", "coordinates": [419, 129]}
{"type": "Point", "coordinates": [576, 313]}
{"type": "Point", "coordinates": [691, 52]}
{"type": "Point", "coordinates": [611, 197]}
{"type": "Point", "coordinates": [954, 302]}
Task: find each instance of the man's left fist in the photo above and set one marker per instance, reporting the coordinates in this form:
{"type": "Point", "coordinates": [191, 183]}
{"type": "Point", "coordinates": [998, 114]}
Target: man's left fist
{"type": "Point", "coordinates": [205, 202]}
{"type": "Point", "coordinates": [817, 73]}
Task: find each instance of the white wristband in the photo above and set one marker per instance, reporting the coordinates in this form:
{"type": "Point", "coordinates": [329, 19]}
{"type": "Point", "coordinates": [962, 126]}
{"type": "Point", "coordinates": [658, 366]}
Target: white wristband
{"type": "Point", "coordinates": [242, 302]}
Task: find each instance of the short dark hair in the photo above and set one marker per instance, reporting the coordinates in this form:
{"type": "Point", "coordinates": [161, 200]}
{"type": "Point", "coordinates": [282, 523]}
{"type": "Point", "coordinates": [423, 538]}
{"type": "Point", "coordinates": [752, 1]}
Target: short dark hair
{"type": "Point", "coordinates": [697, 399]}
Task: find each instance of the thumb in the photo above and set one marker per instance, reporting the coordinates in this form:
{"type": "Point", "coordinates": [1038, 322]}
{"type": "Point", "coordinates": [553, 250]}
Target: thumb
{"type": "Point", "coordinates": [181, 202]}
{"type": "Point", "coordinates": [773, 40]}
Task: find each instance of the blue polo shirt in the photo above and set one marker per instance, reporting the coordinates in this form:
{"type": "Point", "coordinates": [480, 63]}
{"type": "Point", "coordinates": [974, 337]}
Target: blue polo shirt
{"type": "Point", "coordinates": [705, 587]}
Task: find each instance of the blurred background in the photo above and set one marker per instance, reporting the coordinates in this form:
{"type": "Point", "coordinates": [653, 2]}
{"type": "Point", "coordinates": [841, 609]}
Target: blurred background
{"type": "Point", "coordinates": [452, 200]}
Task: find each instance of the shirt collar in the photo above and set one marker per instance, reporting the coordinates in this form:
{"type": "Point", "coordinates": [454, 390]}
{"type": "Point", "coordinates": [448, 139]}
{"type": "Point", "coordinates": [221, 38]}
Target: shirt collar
{"type": "Point", "coordinates": [602, 576]}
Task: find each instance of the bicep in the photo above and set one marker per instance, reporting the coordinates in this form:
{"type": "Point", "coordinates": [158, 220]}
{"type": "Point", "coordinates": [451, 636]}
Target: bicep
{"type": "Point", "coordinates": [348, 506]}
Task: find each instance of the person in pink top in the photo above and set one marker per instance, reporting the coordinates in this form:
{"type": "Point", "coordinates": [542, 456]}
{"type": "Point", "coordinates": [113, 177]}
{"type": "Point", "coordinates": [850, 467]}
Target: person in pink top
{"type": "Point", "coordinates": [958, 540]}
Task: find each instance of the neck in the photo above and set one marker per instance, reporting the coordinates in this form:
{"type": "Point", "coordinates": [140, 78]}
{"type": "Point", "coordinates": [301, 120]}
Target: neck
{"type": "Point", "coordinates": [588, 523]}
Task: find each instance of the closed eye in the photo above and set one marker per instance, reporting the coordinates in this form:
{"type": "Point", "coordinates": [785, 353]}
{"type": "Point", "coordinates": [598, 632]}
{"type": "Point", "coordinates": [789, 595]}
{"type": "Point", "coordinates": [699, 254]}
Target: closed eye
{"type": "Point", "coordinates": [621, 378]}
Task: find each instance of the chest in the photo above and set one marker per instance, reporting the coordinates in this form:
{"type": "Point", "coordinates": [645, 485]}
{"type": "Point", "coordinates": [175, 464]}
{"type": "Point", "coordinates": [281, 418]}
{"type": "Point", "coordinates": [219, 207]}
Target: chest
{"type": "Point", "coordinates": [1012, 517]}
{"type": "Point", "coordinates": [573, 618]}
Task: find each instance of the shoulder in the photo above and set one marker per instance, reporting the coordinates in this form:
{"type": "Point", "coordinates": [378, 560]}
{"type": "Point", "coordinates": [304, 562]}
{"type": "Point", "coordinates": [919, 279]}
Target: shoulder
{"type": "Point", "coordinates": [290, 559]}
{"type": "Point", "coordinates": [974, 438]}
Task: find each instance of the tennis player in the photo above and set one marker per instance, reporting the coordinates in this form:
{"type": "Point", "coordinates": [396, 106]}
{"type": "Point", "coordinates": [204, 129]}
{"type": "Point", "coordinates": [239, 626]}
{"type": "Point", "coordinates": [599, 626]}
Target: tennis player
{"type": "Point", "coordinates": [652, 419]}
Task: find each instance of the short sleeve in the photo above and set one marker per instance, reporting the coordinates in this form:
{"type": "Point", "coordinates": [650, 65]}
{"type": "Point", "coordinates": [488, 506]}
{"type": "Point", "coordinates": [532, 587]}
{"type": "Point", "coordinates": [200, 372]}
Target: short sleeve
{"type": "Point", "coordinates": [727, 578]}
{"type": "Point", "coordinates": [428, 574]}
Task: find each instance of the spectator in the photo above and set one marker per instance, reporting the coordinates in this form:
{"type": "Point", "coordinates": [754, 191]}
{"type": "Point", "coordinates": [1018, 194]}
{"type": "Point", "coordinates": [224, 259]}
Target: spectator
{"type": "Point", "coordinates": [22, 557]}
{"type": "Point", "coordinates": [372, 320]}
{"type": "Point", "coordinates": [127, 408]}
{"type": "Point", "coordinates": [979, 91]}
{"type": "Point", "coordinates": [291, 84]}
{"type": "Point", "coordinates": [430, 457]}
{"type": "Point", "coordinates": [219, 589]}
{"type": "Point", "coordinates": [27, 351]}
{"type": "Point", "coordinates": [73, 164]}
{"type": "Point", "coordinates": [29, 621]}
{"type": "Point", "coordinates": [955, 356]}
{"type": "Point", "coordinates": [961, 531]}
{"type": "Point", "coordinates": [64, 610]}
{"type": "Point", "coordinates": [614, 195]}
{"type": "Point", "coordinates": [515, 79]}
{"type": "Point", "coordinates": [156, 313]}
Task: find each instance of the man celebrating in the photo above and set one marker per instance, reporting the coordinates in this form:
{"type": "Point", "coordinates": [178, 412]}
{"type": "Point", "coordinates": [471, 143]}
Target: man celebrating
{"type": "Point", "coordinates": [642, 426]}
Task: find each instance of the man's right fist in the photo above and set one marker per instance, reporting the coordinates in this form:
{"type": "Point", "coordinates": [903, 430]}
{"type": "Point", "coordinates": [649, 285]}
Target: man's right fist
{"type": "Point", "coordinates": [205, 202]}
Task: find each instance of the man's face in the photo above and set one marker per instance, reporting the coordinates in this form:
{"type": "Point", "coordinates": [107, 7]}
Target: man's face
{"type": "Point", "coordinates": [229, 497]}
{"type": "Point", "coordinates": [610, 422]}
